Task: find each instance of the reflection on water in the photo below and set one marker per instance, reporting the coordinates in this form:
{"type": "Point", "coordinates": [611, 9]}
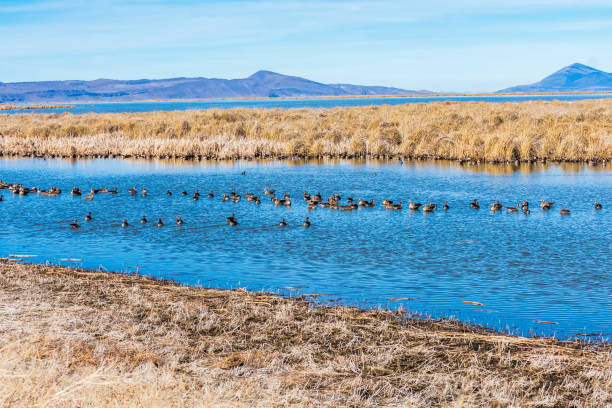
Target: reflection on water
{"type": "Point", "coordinates": [509, 271]}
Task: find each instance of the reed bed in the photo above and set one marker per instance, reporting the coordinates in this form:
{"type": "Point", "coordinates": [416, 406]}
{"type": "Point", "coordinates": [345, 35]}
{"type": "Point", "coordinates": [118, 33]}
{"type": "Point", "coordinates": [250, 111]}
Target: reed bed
{"type": "Point", "coordinates": [471, 131]}
{"type": "Point", "coordinates": [71, 337]}
{"type": "Point", "coordinates": [26, 107]}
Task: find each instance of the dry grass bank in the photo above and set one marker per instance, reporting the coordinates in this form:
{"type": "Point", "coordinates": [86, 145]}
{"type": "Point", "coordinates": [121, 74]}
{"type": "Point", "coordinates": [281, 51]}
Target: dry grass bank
{"type": "Point", "coordinates": [497, 132]}
{"type": "Point", "coordinates": [26, 107]}
{"type": "Point", "coordinates": [77, 338]}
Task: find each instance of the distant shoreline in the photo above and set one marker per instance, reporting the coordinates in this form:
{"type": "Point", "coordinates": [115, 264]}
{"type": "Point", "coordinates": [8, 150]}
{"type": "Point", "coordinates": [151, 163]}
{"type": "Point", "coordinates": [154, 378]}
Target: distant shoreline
{"type": "Point", "coordinates": [25, 107]}
{"type": "Point", "coordinates": [263, 98]}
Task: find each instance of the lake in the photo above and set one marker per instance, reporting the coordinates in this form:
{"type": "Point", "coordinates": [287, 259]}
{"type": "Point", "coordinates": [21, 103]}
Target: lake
{"type": "Point", "coordinates": [119, 107]}
{"type": "Point", "coordinates": [519, 268]}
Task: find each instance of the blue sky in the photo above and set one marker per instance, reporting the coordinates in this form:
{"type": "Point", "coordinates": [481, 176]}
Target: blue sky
{"type": "Point", "coordinates": [447, 45]}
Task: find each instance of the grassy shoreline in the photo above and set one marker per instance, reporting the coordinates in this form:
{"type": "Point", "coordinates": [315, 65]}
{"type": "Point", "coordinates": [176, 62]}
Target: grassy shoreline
{"type": "Point", "coordinates": [75, 337]}
{"type": "Point", "coordinates": [27, 107]}
{"type": "Point", "coordinates": [467, 131]}
{"type": "Point", "coordinates": [409, 95]}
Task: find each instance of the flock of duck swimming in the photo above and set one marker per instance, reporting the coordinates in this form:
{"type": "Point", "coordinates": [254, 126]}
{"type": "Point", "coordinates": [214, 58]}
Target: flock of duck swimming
{"type": "Point", "coordinates": [313, 201]}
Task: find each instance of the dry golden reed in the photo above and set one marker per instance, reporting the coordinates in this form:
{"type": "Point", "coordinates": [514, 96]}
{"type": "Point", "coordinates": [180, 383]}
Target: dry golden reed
{"type": "Point", "coordinates": [72, 338]}
{"type": "Point", "coordinates": [533, 130]}
{"type": "Point", "coordinates": [27, 107]}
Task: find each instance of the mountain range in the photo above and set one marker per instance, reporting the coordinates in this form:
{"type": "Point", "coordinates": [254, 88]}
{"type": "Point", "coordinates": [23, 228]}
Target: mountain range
{"type": "Point", "coordinates": [573, 78]}
{"type": "Point", "coordinates": [576, 77]}
{"type": "Point", "coordinates": [260, 84]}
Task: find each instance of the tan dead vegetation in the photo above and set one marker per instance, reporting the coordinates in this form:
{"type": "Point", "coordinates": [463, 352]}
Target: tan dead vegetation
{"type": "Point", "coordinates": [477, 131]}
{"type": "Point", "coordinates": [77, 338]}
{"type": "Point", "coordinates": [28, 107]}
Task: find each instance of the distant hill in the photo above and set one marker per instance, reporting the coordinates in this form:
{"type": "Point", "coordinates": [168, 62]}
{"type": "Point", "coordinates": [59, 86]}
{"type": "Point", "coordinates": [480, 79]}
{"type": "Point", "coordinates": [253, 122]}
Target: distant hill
{"type": "Point", "coordinates": [573, 78]}
{"type": "Point", "coordinates": [260, 84]}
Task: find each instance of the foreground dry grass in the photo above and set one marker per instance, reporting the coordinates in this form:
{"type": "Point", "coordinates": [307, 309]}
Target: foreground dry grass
{"type": "Point", "coordinates": [77, 338]}
{"type": "Point", "coordinates": [526, 131]}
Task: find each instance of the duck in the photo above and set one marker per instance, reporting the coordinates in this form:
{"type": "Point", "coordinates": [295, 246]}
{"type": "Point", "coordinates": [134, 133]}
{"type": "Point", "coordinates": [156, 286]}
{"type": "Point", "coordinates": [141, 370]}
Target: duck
{"type": "Point", "coordinates": [125, 223]}
{"type": "Point", "coordinates": [496, 206]}
{"type": "Point", "coordinates": [236, 198]}
{"type": "Point", "coordinates": [168, 193]}
{"type": "Point", "coordinates": [133, 191]}
{"type": "Point", "coordinates": [268, 191]}
{"type": "Point", "coordinates": [350, 200]}
{"type": "Point", "coordinates": [445, 206]}
{"type": "Point", "coordinates": [598, 206]}
{"type": "Point", "coordinates": [232, 220]}
{"type": "Point", "coordinates": [306, 196]}
{"type": "Point", "coordinates": [195, 197]}
{"type": "Point", "coordinates": [278, 202]}
{"type": "Point", "coordinates": [306, 222]}
{"type": "Point", "coordinates": [160, 223]}
{"type": "Point", "coordinates": [196, 193]}
{"type": "Point", "coordinates": [545, 205]}
{"type": "Point", "coordinates": [363, 203]}
{"type": "Point", "coordinates": [524, 204]}
{"type": "Point", "coordinates": [428, 208]}
{"type": "Point", "coordinates": [474, 204]}
{"type": "Point", "coordinates": [179, 221]}
{"type": "Point", "coordinates": [513, 209]}
{"type": "Point", "coordinates": [317, 198]}
{"type": "Point", "coordinates": [74, 225]}
{"type": "Point", "coordinates": [386, 202]}
{"type": "Point", "coordinates": [113, 191]}
{"type": "Point", "coordinates": [88, 217]}
{"type": "Point", "coordinates": [225, 198]}
{"type": "Point", "coordinates": [89, 197]}
{"type": "Point", "coordinates": [413, 206]}
{"type": "Point", "coordinates": [184, 193]}
{"type": "Point", "coordinates": [257, 200]}
{"type": "Point", "coordinates": [143, 192]}
{"type": "Point", "coordinates": [397, 206]}
{"type": "Point", "coordinates": [349, 207]}
{"type": "Point", "coordinates": [564, 211]}
{"type": "Point", "coordinates": [211, 195]}
{"type": "Point", "coordinates": [103, 190]}
{"type": "Point", "coordinates": [282, 223]}
{"type": "Point", "coordinates": [143, 220]}
{"type": "Point", "coordinates": [75, 191]}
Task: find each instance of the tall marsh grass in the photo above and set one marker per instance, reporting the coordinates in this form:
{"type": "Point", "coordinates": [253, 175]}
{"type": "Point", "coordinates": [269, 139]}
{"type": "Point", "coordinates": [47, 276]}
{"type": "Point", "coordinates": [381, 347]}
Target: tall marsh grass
{"type": "Point", "coordinates": [533, 130]}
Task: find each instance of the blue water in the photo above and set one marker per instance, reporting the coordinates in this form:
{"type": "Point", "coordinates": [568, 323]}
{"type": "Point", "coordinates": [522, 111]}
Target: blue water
{"type": "Point", "coordinates": [543, 266]}
{"type": "Point", "coordinates": [117, 107]}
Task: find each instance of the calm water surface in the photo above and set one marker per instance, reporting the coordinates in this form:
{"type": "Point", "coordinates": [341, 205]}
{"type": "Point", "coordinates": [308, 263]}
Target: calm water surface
{"type": "Point", "coordinates": [522, 268]}
{"type": "Point", "coordinates": [118, 107]}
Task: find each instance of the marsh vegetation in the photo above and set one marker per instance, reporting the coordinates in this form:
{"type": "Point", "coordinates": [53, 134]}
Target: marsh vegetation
{"type": "Point", "coordinates": [475, 131]}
